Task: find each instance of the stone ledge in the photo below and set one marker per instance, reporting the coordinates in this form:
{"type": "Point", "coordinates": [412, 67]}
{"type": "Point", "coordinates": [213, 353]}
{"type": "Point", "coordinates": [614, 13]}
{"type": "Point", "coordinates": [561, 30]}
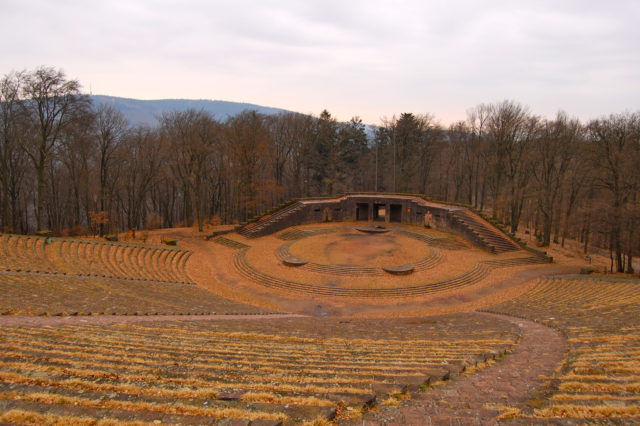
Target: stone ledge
{"type": "Point", "coordinates": [294, 261]}
{"type": "Point", "coordinates": [373, 229]}
{"type": "Point", "coordinates": [399, 270]}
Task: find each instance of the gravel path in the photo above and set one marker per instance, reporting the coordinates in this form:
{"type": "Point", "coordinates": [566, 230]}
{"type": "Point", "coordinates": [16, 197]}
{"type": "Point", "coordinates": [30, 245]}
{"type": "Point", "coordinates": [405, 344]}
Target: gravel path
{"type": "Point", "coordinates": [475, 398]}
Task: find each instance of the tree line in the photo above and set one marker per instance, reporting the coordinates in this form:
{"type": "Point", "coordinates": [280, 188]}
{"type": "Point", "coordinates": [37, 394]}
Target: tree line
{"type": "Point", "coordinates": [72, 167]}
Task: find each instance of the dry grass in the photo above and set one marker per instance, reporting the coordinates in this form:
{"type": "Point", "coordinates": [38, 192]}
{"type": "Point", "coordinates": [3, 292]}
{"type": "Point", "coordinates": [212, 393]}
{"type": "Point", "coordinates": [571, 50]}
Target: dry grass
{"type": "Point", "coordinates": [168, 367]}
{"type": "Point", "coordinates": [601, 375]}
{"type": "Point", "coordinates": [319, 422]}
{"type": "Point", "coordinates": [167, 408]}
{"type": "Point", "coordinates": [32, 418]}
{"type": "Point", "coordinates": [591, 411]}
{"type": "Point", "coordinates": [391, 402]}
{"type": "Point", "coordinates": [285, 400]}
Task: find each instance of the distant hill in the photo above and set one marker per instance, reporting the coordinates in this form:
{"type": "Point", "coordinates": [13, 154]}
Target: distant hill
{"type": "Point", "coordinates": [145, 112]}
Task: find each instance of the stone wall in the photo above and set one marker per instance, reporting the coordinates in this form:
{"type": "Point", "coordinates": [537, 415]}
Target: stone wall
{"type": "Point", "coordinates": [405, 209]}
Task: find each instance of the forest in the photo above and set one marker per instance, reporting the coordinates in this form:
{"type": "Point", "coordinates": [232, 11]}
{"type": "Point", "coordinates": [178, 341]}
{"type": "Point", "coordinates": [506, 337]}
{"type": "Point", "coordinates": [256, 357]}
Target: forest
{"type": "Point", "coordinates": [74, 168]}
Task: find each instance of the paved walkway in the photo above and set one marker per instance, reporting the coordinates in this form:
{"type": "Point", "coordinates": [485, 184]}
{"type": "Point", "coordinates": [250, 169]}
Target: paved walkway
{"type": "Point", "coordinates": [474, 399]}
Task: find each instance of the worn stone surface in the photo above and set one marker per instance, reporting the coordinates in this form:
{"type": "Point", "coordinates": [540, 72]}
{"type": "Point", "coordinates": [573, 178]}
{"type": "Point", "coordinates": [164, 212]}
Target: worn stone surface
{"type": "Point", "coordinates": [476, 398]}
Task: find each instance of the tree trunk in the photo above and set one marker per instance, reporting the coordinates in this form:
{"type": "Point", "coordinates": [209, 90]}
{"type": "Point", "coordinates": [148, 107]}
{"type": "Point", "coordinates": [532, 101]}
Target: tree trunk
{"type": "Point", "coordinates": [546, 229]}
{"type": "Point", "coordinates": [587, 232]}
{"type": "Point", "coordinates": [5, 200]}
{"type": "Point", "coordinates": [41, 190]}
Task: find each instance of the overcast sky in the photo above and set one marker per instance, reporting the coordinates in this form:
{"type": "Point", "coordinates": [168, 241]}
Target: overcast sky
{"type": "Point", "coordinates": [368, 58]}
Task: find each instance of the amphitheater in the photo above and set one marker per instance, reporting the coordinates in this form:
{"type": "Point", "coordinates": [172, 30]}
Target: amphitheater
{"type": "Point", "coordinates": [372, 309]}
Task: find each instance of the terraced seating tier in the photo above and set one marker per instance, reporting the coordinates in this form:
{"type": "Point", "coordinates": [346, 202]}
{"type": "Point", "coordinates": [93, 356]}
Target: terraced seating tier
{"type": "Point", "coordinates": [297, 234]}
{"type": "Point", "coordinates": [495, 240]}
{"type": "Point", "coordinates": [273, 223]}
{"type": "Point", "coordinates": [39, 294]}
{"type": "Point", "coordinates": [283, 252]}
{"type": "Point", "coordinates": [479, 272]}
{"type": "Point", "coordinates": [198, 372]}
{"type": "Point", "coordinates": [93, 259]}
{"type": "Point", "coordinates": [23, 253]}
{"type": "Point", "coordinates": [600, 378]}
{"type": "Point", "coordinates": [444, 243]}
{"type": "Point", "coordinates": [227, 242]}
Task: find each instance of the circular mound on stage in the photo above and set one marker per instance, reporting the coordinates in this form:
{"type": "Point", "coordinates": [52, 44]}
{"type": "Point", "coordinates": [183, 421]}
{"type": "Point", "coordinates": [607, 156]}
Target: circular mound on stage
{"type": "Point", "coordinates": [399, 270]}
{"type": "Point", "coordinates": [294, 261]}
{"type": "Point", "coordinates": [346, 246]}
{"type": "Point", "coordinates": [378, 229]}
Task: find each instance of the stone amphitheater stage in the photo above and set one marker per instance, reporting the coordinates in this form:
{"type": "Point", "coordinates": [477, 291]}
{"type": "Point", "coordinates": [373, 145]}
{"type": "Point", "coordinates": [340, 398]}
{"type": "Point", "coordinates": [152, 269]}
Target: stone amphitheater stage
{"type": "Point", "coordinates": [338, 264]}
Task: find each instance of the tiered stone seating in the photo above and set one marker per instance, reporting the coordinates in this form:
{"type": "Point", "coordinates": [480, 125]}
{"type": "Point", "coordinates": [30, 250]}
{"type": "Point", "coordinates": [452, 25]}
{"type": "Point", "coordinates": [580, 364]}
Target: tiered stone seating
{"type": "Point", "coordinates": [599, 315]}
{"type": "Point", "coordinates": [297, 234]}
{"type": "Point", "coordinates": [272, 223]}
{"type": "Point", "coordinates": [444, 243]}
{"type": "Point", "coordinates": [227, 242]}
{"type": "Point", "coordinates": [23, 253]}
{"type": "Point", "coordinates": [479, 272]}
{"type": "Point", "coordinates": [51, 294]}
{"type": "Point", "coordinates": [495, 240]}
{"type": "Point", "coordinates": [189, 373]}
{"type": "Point", "coordinates": [65, 256]}
{"type": "Point", "coordinates": [283, 252]}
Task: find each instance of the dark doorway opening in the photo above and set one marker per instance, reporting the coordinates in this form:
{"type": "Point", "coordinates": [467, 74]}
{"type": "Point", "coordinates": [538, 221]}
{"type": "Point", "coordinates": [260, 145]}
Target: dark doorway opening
{"type": "Point", "coordinates": [395, 214]}
{"type": "Point", "coordinates": [362, 211]}
{"type": "Point", "coordinates": [380, 212]}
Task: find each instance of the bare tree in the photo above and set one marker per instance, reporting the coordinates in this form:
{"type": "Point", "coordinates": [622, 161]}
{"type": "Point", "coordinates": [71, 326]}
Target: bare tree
{"type": "Point", "coordinates": [12, 157]}
{"type": "Point", "coordinates": [76, 152]}
{"type": "Point", "coordinates": [477, 119]}
{"type": "Point", "coordinates": [247, 143]}
{"type": "Point", "coordinates": [283, 132]}
{"type": "Point", "coordinates": [192, 137]}
{"type": "Point", "coordinates": [615, 143]}
{"type": "Point", "coordinates": [552, 152]}
{"type": "Point", "coordinates": [510, 131]}
{"type": "Point", "coordinates": [142, 157]}
{"type": "Point", "coordinates": [111, 128]}
{"type": "Point", "coordinates": [52, 103]}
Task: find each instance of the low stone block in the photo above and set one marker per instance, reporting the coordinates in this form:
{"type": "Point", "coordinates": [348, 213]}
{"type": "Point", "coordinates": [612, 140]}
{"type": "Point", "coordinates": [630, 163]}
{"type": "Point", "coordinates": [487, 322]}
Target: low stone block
{"type": "Point", "coordinates": [294, 261]}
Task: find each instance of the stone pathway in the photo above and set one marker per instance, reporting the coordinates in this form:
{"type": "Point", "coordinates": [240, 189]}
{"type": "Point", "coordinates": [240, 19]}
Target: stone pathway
{"type": "Point", "coordinates": [473, 399]}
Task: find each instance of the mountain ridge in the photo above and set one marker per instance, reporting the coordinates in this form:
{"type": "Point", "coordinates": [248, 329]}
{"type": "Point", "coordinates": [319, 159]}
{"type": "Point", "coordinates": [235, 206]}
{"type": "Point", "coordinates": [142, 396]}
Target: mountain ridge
{"type": "Point", "coordinates": [146, 112]}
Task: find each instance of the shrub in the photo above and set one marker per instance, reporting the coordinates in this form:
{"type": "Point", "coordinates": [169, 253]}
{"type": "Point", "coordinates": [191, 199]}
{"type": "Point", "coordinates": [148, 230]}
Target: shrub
{"type": "Point", "coordinates": [74, 231]}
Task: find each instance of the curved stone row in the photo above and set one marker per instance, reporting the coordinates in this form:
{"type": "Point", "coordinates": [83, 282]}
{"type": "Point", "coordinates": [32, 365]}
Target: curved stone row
{"type": "Point", "coordinates": [476, 274]}
{"type": "Point", "coordinates": [446, 243]}
{"type": "Point", "coordinates": [23, 253]}
{"type": "Point", "coordinates": [124, 261]}
{"type": "Point", "coordinates": [599, 377]}
{"type": "Point", "coordinates": [227, 242]}
{"type": "Point", "coordinates": [298, 234]}
{"type": "Point", "coordinates": [423, 264]}
{"type": "Point", "coordinates": [427, 262]}
{"type": "Point", "coordinates": [283, 252]}
{"type": "Point", "coordinates": [244, 378]}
